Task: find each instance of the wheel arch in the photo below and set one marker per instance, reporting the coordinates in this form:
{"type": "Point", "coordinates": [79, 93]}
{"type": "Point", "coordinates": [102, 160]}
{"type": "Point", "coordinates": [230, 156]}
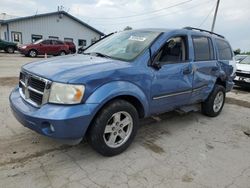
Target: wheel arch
{"type": "Point", "coordinates": [221, 81]}
{"type": "Point", "coordinates": [33, 50]}
{"type": "Point", "coordinates": [129, 98]}
{"type": "Point", "coordinates": [119, 90]}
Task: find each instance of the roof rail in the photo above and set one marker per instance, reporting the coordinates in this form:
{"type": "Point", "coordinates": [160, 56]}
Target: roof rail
{"type": "Point", "coordinates": [202, 30]}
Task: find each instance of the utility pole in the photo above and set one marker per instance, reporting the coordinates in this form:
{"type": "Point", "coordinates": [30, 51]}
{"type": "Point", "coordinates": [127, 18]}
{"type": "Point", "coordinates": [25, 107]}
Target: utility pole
{"type": "Point", "coordinates": [215, 15]}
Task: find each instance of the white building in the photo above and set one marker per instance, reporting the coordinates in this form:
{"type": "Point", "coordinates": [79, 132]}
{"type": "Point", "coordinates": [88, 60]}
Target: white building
{"type": "Point", "coordinates": [56, 25]}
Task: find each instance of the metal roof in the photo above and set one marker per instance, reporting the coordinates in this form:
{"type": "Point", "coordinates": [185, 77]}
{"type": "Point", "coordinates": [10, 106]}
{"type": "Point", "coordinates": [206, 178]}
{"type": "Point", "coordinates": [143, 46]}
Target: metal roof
{"type": "Point", "coordinates": [49, 14]}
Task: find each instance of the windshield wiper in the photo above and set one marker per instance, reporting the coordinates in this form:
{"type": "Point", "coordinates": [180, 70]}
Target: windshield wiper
{"type": "Point", "coordinates": [99, 54]}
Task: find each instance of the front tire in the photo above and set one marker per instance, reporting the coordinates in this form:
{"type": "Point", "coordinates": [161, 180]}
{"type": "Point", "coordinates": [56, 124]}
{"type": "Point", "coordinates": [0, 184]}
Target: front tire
{"type": "Point", "coordinates": [114, 128]}
{"type": "Point", "coordinates": [62, 53]}
{"type": "Point", "coordinates": [215, 102]}
{"type": "Point", "coordinates": [32, 53]}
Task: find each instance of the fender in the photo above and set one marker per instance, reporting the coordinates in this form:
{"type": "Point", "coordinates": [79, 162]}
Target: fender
{"type": "Point", "coordinates": [114, 89]}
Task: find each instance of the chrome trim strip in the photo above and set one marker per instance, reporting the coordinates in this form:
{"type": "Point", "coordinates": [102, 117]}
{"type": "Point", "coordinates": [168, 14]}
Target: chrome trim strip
{"type": "Point", "coordinates": [199, 88]}
{"type": "Point", "coordinates": [35, 90]}
{"type": "Point", "coordinates": [180, 93]}
{"type": "Point", "coordinates": [28, 100]}
{"type": "Point", "coordinates": [172, 94]}
{"type": "Point", "coordinates": [22, 83]}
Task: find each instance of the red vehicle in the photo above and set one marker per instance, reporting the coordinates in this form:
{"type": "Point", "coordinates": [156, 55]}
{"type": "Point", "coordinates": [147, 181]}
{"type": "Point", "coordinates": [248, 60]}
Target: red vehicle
{"type": "Point", "coordinates": [72, 46]}
{"type": "Point", "coordinates": [42, 47]}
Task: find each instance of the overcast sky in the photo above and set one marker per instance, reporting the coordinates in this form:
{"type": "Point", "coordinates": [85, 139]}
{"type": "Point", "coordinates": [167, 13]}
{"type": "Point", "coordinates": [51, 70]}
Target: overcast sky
{"type": "Point", "coordinates": [110, 15]}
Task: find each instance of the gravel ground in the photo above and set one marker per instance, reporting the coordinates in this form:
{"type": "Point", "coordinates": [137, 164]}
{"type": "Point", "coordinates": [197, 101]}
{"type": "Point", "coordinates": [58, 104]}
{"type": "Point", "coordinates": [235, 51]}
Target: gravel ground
{"type": "Point", "coordinates": [170, 150]}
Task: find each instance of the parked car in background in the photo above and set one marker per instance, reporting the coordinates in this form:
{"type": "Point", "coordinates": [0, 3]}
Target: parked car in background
{"type": "Point", "coordinates": [243, 73]}
{"type": "Point", "coordinates": [81, 50]}
{"type": "Point", "coordinates": [102, 93]}
{"type": "Point", "coordinates": [42, 47]}
{"type": "Point", "coordinates": [239, 57]}
{"type": "Point", "coordinates": [8, 47]}
{"type": "Point", "coordinates": [72, 46]}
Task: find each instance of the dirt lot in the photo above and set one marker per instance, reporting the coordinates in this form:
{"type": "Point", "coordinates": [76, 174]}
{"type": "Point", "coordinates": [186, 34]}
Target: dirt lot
{"type": "Point", "coordinates": [171, 150]}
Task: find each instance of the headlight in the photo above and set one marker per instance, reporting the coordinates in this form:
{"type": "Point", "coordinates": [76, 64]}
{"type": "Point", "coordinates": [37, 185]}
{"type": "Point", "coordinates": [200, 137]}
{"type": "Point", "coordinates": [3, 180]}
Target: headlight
{"type": "Point", "coordinates": [66, 93]}
{"type": "Point", "coordinates": [23, 47]}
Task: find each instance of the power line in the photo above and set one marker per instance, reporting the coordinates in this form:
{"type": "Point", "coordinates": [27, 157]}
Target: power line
{"type": "Point", "coordinates": [206, 17]}
{"type": "Point", "coordinates": [155, 16]}
{"type": "Point", "coordinates": [145, 13]}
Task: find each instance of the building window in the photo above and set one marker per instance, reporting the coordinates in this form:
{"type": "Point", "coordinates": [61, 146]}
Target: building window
{"type": "Point", "coordinates": [16, 37]}
{"type": "Point", "coordinates": [34, 38]}
{"type": "Point", "coordinates": [82, 42]}
{"type": "Point", "coordinates": [53, 37]}
{"type": "Point", "coordinates": [68, 40]}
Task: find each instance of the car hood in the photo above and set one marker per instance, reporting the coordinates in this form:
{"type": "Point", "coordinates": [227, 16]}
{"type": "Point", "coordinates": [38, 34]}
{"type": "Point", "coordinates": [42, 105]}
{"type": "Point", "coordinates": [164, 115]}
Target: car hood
{"type": "Point", "coordinates": [72, 68]}
{"type": "Point", "coordinates": [243, 67]}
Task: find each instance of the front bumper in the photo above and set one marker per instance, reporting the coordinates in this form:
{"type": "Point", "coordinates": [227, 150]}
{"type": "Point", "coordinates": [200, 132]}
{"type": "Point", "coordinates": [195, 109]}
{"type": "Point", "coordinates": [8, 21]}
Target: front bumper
{"type": "Point", "coordinates": [242, 81]}
{"type": "Point", "coordinates": [57, 121]}
{"type": "Point", "coordinates": [23, 51]}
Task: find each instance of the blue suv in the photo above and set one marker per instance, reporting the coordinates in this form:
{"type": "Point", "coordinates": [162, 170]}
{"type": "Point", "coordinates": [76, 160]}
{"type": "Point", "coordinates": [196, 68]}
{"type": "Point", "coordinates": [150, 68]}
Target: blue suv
{"type": "Point", "coordinates": [102, 93]}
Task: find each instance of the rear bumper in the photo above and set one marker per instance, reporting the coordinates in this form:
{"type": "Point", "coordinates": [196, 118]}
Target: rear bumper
{"type": "Point", "coordinates": [57, 121]}
{"type": "Point", "coordinates": [242, 81]}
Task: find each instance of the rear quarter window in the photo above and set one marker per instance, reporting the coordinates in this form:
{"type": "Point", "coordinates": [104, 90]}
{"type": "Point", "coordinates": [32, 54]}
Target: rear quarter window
{"type": "Point", "coordinates": [224, 50]}
{"type": "Point", "coordinates": [203, 48]}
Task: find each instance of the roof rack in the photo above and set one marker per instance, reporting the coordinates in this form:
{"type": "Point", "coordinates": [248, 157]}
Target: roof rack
{"type": "Point", "coordinates": [202, 30]}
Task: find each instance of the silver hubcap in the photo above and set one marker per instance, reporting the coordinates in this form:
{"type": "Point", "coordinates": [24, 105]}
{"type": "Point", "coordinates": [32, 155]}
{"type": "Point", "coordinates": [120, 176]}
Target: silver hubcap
{"type": "Point", "coordinates": [32, 53]}
{"type": "Point", "coordinates": [62, 53]}
{"type": "Point", "coordinates": [118, 129]}
{"type": "Point", "coordinates": [218, 101]}
{"type": "Point", "coordinates": [10, 50]}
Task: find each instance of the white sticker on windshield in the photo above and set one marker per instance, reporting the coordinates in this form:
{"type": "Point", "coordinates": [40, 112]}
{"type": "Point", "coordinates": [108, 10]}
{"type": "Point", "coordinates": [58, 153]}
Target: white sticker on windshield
{"type": "Point", "coordinates": [136, 38]}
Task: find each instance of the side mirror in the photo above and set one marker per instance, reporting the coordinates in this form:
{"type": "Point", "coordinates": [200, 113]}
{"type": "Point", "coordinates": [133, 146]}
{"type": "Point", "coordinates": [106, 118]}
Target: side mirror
{"type": "Point", "coordinates": [155, 61]}
{"type": "Point", "coordinates": [156, 65]}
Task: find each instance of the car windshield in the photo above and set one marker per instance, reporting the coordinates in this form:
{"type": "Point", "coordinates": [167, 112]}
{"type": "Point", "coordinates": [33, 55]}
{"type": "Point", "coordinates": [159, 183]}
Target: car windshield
{"type": "Point", "coordinates": [124, 46]}
{"type": "Point", "coordinates": [245, 61]}
{"type": "Point", "coordinates": [38, 41]}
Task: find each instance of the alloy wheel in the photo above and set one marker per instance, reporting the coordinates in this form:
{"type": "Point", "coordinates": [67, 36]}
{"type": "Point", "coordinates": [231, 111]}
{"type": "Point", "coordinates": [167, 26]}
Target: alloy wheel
{"type": "Point", "coordinates": [118, 129]}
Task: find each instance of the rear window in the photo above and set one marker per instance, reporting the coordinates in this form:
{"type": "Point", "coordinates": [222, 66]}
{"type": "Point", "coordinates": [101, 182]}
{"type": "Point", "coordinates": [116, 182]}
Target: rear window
{"type": "Point", "coordinates": [224, 50]}
{"type": "Point", "coordinates": [203, 49]}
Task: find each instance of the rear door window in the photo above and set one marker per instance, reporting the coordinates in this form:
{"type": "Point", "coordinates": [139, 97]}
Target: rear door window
{"type": "Point", "coordinates": [203, 48]}
{"type": "Point", "coordinates": [224, 50]}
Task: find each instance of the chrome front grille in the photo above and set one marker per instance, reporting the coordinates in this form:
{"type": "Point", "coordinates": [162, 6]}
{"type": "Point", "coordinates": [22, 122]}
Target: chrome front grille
{"type": "Point", "coordinates": [34, 89]}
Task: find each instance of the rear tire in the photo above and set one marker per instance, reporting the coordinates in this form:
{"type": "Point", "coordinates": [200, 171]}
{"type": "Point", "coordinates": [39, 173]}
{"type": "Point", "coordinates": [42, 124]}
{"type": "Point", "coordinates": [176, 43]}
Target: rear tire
{"type": "Point", "coordinates": [32, 53]}
{"type": "Point", "coordinates": [215, 102]}
{"type": "Point", "coordinates": [62, 53]}
{"type": "Point", "coordinates": [114, 128]}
